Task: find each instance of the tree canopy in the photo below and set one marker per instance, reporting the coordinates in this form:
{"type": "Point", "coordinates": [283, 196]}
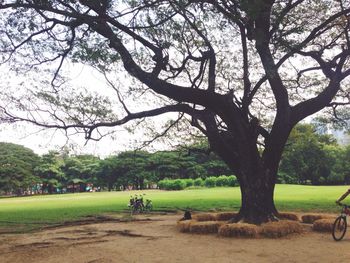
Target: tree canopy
{"type": "Point", "coordinates": [17, 164]}
{"type": "Point", "coordinates": [242, 72]}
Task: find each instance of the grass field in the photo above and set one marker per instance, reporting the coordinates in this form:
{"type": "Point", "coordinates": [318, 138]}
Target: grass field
{"type": "Point", "coordinates": [34, 211]}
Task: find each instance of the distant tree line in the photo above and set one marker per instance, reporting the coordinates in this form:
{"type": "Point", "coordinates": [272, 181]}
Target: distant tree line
{"type": "Point", "coordinates": [310, 157]}
{"type": "Point", "coordinates": [22, 171]}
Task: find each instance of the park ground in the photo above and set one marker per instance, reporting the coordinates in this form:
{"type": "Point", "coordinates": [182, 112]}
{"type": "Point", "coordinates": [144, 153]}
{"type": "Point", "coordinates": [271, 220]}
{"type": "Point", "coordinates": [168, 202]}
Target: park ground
{"type": "Point", "coordinates": [156, 239]}
{"type": "Point", "coordinates": [95, 228]}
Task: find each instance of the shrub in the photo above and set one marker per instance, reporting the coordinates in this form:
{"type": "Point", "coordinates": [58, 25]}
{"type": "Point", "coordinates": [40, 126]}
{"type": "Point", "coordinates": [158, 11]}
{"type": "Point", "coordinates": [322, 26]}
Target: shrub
{"type": "Point", "coordinates": [189, 182]}
{"type": "Point", "coordinates": [232, 180]}
{"type": "Point", "coordinates": [163, 183]}
{"type": "Point", "coordinates": [178, 184]}
{"type": "Point", "coordinates": [167, 184]}
{"type": "Point", "coordinates": [222, 181]}
{"type": "Point", "coordinates": [198, 182]}
{"type": "Point", "coordinates": [285, 178]}
{"type": "Point", "coordinates": [210, 181]}
{"type": "Point", "coordinates": [335, 178]}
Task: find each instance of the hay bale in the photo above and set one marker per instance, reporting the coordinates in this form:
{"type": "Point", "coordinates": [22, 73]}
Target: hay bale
{"type": "Point", "coordinates": [204, 217]}
{"type": "Point", "coordinates": [208, 227]}
{"type": "Point", "coordinates": [323, 225]}
{"type": "Point", "coordinates": [280, 228]}
{"type": "Point", "coordinates": [225, 216]}
{"type": "Point", "coordinates": [239, 230]}
{"type": "Point", "coordinates": [184, 226]}
{"type": "Point", "coordinates": [311, 218]}
{"type": "Point", "coordinates": [288, 216]}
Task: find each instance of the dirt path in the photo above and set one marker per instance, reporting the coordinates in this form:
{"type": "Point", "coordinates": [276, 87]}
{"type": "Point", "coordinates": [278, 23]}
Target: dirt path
{"type": "Point", "coordinates": [157, 240]}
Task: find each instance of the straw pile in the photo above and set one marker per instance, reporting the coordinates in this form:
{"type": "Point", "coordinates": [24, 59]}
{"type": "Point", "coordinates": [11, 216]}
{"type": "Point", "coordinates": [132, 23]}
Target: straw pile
{"type": "Point", "coordinates": [280, 228]}
{"type": "Point", "coordinates": [311, 218]}
{"type": "Point", "coordinates": [323, 225]}
{"type": "Point", "coordinates": [208, 227]}
{"type": "Point", "coordinates": [204, 217]}
{"type": "Point", "coordinates": [288, 216]}
{"type": "Point", "coordinates": [184, 226]}
{"type": "Point", "coordinates": [225, 216]}
{"type": "Point", "coordinates": [239, 230]}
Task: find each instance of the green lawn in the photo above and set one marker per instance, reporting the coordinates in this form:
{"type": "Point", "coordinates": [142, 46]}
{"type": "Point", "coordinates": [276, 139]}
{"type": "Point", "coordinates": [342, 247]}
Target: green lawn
{"type": "Point", "coordinates": [31, 212]}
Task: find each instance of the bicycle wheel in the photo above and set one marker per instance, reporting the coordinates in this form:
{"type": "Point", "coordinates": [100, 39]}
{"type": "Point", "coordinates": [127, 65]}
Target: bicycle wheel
{"type": "Point", "coordinates": [339, 228]}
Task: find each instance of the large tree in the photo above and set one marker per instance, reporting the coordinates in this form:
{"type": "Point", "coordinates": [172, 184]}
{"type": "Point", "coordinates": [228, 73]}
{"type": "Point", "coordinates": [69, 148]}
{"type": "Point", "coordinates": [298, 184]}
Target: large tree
{"type": "Point", "coordinates": [17, 165]}
{"type": "Point", "coordinates": [243, 72]}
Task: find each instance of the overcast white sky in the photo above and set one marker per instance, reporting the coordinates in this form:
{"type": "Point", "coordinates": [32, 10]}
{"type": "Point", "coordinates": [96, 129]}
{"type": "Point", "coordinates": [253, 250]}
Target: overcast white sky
{"type": "Point", "coordinates": [41, 141]}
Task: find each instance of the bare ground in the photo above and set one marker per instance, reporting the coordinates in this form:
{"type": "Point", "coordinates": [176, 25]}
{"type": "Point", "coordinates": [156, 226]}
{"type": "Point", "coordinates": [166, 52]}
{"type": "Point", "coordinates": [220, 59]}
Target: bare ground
{"type": "Point", "coordinates": [156, 239]}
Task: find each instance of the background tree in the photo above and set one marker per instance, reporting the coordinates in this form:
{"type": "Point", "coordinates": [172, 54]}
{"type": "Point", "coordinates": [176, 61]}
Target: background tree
{"type": "Point", "coordinates": [109, 172]}
{"type": "Point", "coordinates": [305, 159]}
{"type": "Point", "coordinates": [338, 159]}
{"type": "Point", "coordinates": [50, 172]}
{"type": "Point", "coordinates": [243, 72]}
{"type": "Point", "coordinates": [80, 170]}
{"type": "Point", "coordinates": [17, 165]}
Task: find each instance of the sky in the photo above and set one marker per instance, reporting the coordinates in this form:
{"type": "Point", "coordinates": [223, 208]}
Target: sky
{"type": "Point", "coordinates": [41, 141]}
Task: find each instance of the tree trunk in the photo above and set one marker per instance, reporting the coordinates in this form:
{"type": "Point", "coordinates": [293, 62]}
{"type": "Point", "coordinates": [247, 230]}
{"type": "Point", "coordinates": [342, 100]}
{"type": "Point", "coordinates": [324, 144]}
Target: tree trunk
{"type": "Point", "coordinates": [257, 179]}
{"type": "Point", "coordinates": [257, 202]}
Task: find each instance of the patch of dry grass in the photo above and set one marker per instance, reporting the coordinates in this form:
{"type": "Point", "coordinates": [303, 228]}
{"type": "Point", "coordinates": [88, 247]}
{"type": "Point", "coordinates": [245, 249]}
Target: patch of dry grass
{"type": "Point", "coordinates": [204, 217]}
{"type": "Point", "coordinates": [288, 216]}
{"type": "Point", "coordinates": [311, 218]}
{"type": "Point", "coordinates": [239, 230]}
{"type": "Point", "coordinates": [208, 227]}
{"type": "Point", "coordinates": [280, 228]}
{"type": "Point", "coordinates": [184, 226]}
{"type": "Point", "coordinates": [224, 216]}
{"type": "Point", "coordinates": [323, 225]}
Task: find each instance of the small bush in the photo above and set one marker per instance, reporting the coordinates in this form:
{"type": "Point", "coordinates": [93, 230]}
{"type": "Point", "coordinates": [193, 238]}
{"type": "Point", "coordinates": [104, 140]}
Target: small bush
{"type": "Point", "coordinates": [162, 184]}
{"type": "Point", "coordinates": [232, 180]}
{"type": "Point", "coordinates": [210, 181]}
{"type": "Point", "coordinates": [198, 182]}
{"type": "Point", "coordinates": [222, 181]}
{"type": "Point", "coordinates": [189, 182]}
{"type": "Point", "coordinates": [285, 178]}
{"type": "Point", "coordinates": [178, 184]}
{"type": "Point", "coordinates": [167, 184]}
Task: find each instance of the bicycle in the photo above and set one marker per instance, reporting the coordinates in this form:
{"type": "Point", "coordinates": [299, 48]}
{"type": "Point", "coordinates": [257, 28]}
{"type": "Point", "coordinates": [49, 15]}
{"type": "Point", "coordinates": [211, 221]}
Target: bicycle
{"type": "Point", "coordinates": [137, 205]}
{"type": "Point", "coordinates": [340, 224]}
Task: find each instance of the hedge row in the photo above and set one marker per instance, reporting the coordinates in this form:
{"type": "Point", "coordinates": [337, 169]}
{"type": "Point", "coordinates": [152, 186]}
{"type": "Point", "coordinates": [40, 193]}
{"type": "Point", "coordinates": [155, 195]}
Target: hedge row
{"type": "Point", "coordinates": [212, 181]}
